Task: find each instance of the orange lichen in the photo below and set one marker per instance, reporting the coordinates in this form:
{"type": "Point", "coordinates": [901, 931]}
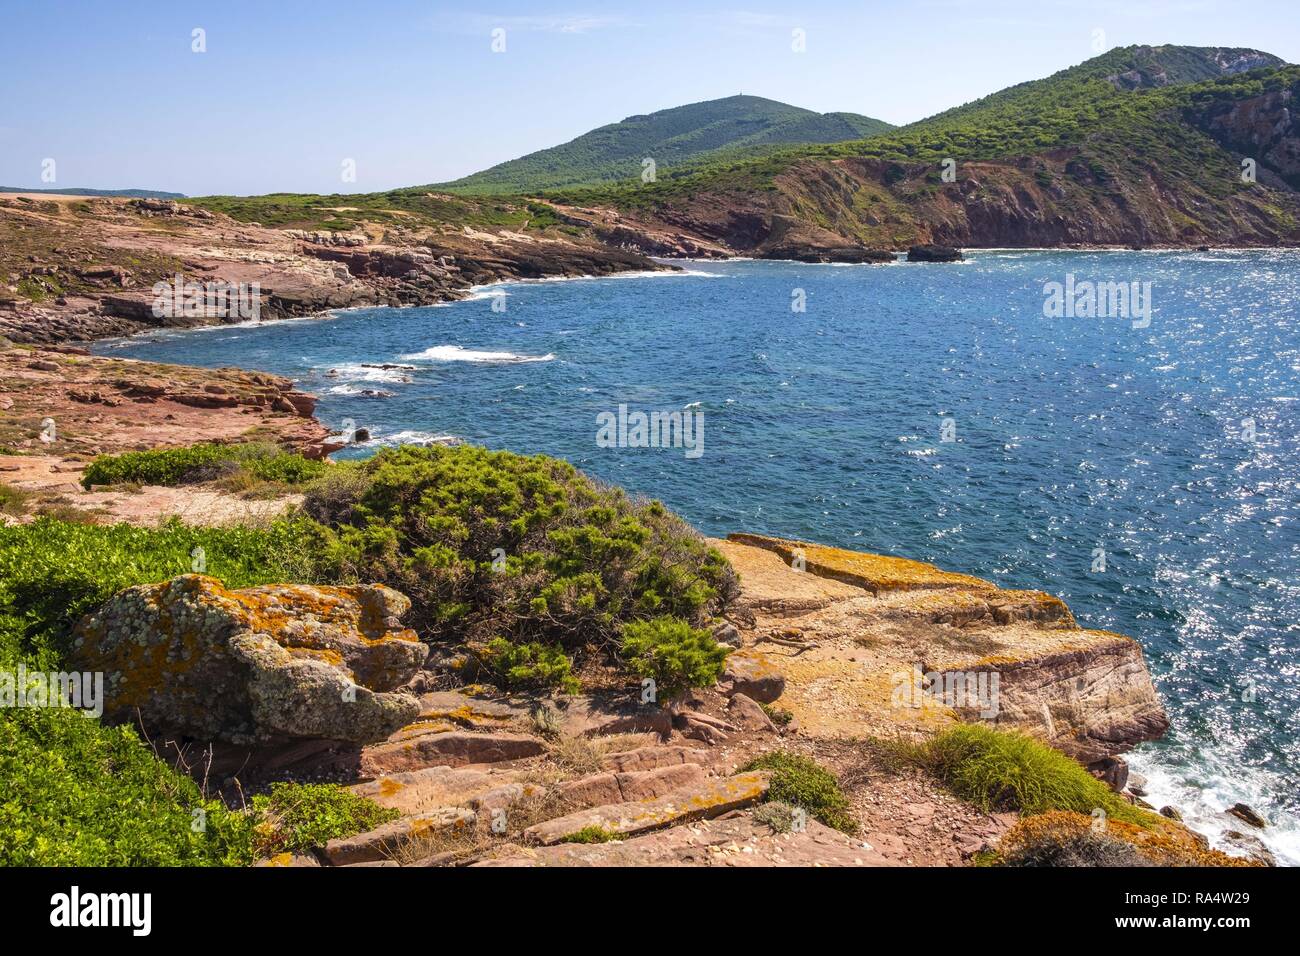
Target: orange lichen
{"type": "Point", "coordinates": [877, 573]}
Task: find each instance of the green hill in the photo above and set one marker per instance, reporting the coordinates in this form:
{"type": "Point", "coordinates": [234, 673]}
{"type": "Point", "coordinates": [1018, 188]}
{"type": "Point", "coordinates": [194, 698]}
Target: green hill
{"type": "Point", "coordinates": [734, 127]}
{"type": "Point", "coordinates": [129, 193]}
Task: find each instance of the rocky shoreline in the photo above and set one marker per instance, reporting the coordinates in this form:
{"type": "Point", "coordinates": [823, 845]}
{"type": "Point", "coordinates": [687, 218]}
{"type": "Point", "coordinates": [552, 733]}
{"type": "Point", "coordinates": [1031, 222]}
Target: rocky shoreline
{"type": "Point", "coordinates": [825, 641]}
{"type": "Point", "coordinates": [74, 269]}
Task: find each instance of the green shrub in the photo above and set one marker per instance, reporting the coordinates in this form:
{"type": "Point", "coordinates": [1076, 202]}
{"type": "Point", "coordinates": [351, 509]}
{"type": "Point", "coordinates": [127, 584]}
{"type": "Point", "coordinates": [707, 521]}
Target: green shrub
{"type": "Point", "coordinates": [999, 770]}
{"type": "Point", "coordinates": [299, 816]}
{"type": "Point", "coordinates": [778, 715]}
{"type": "Point", "coordinates": [674, 654]}
{"type": "Point", "coordinates": [802, 782]}
{"type": "Point", "coordinates": [205, 462]}
{"type": "Point", "coordinates": [489, 543]}
{"type": "Point", "coordinates": [77, 793]}
{"type": "Point", "coordinates": [517, 666]}
{"type": "Point", "coordinates": [777, 815]}
{"type": "Point", "coordinates": [591, 834]}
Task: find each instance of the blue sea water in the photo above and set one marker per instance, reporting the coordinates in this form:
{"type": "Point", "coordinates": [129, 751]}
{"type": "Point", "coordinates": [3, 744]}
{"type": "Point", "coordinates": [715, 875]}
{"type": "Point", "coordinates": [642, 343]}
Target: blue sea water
{"type": "Point", "coordinates": [1171, 450]}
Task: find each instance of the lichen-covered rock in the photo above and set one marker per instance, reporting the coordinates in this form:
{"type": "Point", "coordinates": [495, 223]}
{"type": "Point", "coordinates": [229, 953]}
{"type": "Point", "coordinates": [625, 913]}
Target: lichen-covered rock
{"type": "Point", "coordinates": [245, 666]}
{"type": "Point", "coordinates": [709, 798]}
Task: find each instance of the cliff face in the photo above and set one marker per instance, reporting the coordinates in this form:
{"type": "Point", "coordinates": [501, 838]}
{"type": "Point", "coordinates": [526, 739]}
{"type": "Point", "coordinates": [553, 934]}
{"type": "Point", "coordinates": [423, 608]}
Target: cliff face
{"type": "Point", "coordinates": [1059, 198]}
{"type": "Point", "coordinates": [873, 644]}
{"type": "Point", "coordinates": [76, 269]}
{"type": "Point", "coordinates": [1265, 127]}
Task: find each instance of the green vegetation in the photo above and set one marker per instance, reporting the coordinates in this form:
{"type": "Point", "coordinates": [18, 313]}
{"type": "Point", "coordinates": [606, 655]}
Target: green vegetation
{"type": "Point", "coordinates": [400, 207]}
{"type": "Point", "coordinates": [533, 664]}
{"type": "Point", "coordinates": [80, 794]}
{"type": "Point", "coordinates": [777, 815]}
{"type": "Point", "coordinates": [1116, 131]}
{"type": "Point", "coordinates": [77, 792]}
{"type": "Point", "coordinates": [591, 834]}
{"type": "Point", "coordinates": [735, 127]}
{"type": "Point", "coordinates": [581, 564]}
{"type": "Point", "coordinates": [14, 501]}
{"type": "Point", "coordinates": [801, 782]}
{"type": "Point", "coordinates": [674, 654]}
{"type": "Point", "coordinates": [192, 464]}
{"type": "Point", "coordinates": [491, 544]}
{"type": "Point", "coordinates": [778, 715]}
{"type": "Point", "coordinates": [999, 770]}
{"type": "Point", "coordinates": [299, 816]}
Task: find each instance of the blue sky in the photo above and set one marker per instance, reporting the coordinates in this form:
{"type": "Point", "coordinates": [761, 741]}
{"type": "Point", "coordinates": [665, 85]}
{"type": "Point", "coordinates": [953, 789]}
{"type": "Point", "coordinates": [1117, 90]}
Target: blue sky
{"type": "Point", "coordinates": [287, 90]}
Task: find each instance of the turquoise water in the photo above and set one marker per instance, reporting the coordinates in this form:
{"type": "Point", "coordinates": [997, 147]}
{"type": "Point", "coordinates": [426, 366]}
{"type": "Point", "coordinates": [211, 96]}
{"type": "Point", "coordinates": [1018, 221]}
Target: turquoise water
{"type": "Point", "coordinates": [1071, 435]}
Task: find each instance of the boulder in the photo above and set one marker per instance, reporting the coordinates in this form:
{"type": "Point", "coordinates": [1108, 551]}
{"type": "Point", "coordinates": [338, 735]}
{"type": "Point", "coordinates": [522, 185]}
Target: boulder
{"type": "Point", "coordinates": [606, 788]}
{"type": "Point", "coordinates": [414, 747]}
{"type": "Point", "coordinates": [651, 758]}
{"type": "Point", "coordinates": [1245, 814]}
{"type": "Point", "coordinates": [747, 714]}
{"type": "Point", "coordinates": [1249, 846]}
{"type": "Point", "coordinates": [931, 253]}
{"type": "Point", "coordinates": [1112, 771]}
{"type": "Point", "coordinates": [261, 664]}
{"type": "Point", "coordinates": [384, 842]}
{"type": "Point", "coordinates": [751, 674]}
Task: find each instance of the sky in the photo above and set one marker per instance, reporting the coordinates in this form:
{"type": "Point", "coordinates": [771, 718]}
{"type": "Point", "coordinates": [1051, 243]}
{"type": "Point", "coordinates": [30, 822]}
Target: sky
{"type": "Point", "coordinates": [293, 95]}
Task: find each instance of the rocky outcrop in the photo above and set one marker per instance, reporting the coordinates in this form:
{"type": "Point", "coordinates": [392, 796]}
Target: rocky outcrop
{"type": "Point", "coordinates": [77, 269]}
{"type": "Point", "coordinates": [934, 254]}
{"type": "Point", "coordinates": [875, 644]}
{"type": "Point", "coordinates": [694, 801]}
{"type": "Point", "coordinates": [190, 657]}
{"type": "Point", "coordinates": [107, 406]}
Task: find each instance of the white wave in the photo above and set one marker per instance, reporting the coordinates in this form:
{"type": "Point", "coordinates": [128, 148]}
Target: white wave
{"type": "Point", "coordinates": [362, 372]}
{"type": "Point", "coordinates": [1208, 785]}
{"type": "Point", "coordinates": [347, 388]}
{"type": "Point", "coordinates": [454, 353]}
{"type": "Point", "coordinates": [409, 437]}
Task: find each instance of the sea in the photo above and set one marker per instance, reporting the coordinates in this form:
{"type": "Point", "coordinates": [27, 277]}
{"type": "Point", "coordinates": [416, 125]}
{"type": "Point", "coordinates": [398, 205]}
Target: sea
{"type": "Point", "coordinates": [1120, 428]}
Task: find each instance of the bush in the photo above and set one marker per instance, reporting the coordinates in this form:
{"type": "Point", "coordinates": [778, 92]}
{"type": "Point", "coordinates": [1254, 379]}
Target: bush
{"type": "Point", "coordinates": [489, 543]}
{"type": "Point", "coordinates": [299, 816]}
{"type": "Point", "coordinates": [205, 462]}
{"type": "Point", "coordinates": [801, 782]}
{"type": "Point", "coordinates": [674, 654]}
{"type": "Point", "coordinates": [997, 770]}
{"type": "Point", "coordinates": [516, 666]}
{"type": "Point", "coordinates": [77, 793]}
{"type": "Point", "coordinates": [591, 834]}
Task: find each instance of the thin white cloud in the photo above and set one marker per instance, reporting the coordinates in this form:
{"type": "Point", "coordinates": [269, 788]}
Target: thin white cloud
{"type": "Point", "coordinates": [532, 23]}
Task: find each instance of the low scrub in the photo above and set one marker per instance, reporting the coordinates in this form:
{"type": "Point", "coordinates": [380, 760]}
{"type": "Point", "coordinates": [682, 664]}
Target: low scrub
{"type": "Point", "coordinates": [999, 770]}
{"type": "Point", "coordinates": [1065, 838]}
{"type": "Point", "coordinates": [299, 816]}
{"type": "Point", "coordinates": [78, 792]}
{"type": "Point", "coordinates": [491, 544]}
{"type": "Point", "coordinates": [799, 781]}
{"type": "Point", "coordinates": [531, 665]}
{"type": "Point", "coordinates": [673, 654]}
{"type": "Point", "coordinates": [252, 461]}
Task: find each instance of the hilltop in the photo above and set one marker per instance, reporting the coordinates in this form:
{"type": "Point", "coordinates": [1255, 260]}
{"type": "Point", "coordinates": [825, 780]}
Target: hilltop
{"type": "Point", "coordinates": [734, 127]}
{"type": "Point", "coordinates": [1140, 146]}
